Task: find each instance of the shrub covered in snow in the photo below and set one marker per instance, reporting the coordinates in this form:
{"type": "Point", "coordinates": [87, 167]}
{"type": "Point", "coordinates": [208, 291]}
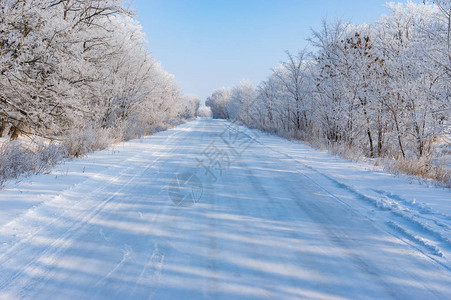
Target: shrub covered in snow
{"type": "Point", "coordinates": [16, 159]}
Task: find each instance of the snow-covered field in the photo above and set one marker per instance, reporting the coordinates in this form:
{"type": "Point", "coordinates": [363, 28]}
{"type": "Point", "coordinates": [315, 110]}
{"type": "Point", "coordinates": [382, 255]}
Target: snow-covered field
{"type": "Point", "coordinates": [211, 210]}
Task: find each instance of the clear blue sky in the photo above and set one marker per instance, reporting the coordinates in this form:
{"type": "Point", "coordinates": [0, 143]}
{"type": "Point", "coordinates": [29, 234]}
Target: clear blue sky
{"type": "Point", "coordinates": [208, 44]}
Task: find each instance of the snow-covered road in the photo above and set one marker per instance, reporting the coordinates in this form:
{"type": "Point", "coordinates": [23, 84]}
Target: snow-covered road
{"type": "Point", "coordinates": [210, 210]}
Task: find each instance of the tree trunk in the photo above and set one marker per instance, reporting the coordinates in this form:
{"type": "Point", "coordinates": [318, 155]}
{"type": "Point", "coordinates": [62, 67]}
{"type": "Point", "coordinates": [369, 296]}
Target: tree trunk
{"type": "Point", "coordinates": [379, 141]}
{"type": "Point", "coordinates": [16, 131]}
{"type": "Point", "coordinates": [2, 127]}
{"type": "Point", "coordinates": [379, 134]}
{"type": "Point", "coordinates": [370, 138]}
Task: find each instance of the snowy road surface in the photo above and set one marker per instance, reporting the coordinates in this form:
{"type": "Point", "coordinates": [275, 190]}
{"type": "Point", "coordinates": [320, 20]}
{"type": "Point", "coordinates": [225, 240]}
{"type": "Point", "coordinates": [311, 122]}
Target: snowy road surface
{"type": "Point", "coordinates": [270, 219]}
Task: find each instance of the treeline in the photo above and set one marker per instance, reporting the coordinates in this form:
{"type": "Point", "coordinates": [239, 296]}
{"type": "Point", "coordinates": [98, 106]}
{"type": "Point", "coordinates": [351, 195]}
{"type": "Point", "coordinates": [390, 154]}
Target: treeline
{"type": "Point", "coordinates": [75, 64]}
{"type": "Point", "coordinates": [378, 90]}
{"type": "Point", "coordinates": [75, 77]}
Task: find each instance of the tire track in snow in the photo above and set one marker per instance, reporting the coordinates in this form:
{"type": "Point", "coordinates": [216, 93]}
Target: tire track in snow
{"type": "Point", "coordinates": [63, 241]}
{"type": "Point", "coordinates": [378, 203]}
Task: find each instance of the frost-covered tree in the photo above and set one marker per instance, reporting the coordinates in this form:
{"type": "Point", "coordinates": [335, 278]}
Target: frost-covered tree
{"type": "Point", "coordinates": [204, 112]}
{"type": "Point", "coordinates": [45, 60]}
{"type": "Point", "coordinates": [379, 90]}
{"type": "Point", "coordinates": [191, 106]}
{"type": "Point", "coordinates": [240, 106]}
{"type": "Point", "coordinates": [218, 103]}
{"type": "Point", "coordinates": [415, 88]}
{"type": "Point", "coordinates": [78, 63]}
{"type": "Point", "coordinates": [293, 77]}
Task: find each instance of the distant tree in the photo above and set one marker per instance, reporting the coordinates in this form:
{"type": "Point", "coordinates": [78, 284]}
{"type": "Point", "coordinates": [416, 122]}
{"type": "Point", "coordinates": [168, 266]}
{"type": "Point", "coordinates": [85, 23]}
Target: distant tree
{"type": "Point", "coordinates": [240, 107]}
{"type": "Point", "coordinates": [218, 103]}
{"type": "Point", "coordinates": [204, 112]}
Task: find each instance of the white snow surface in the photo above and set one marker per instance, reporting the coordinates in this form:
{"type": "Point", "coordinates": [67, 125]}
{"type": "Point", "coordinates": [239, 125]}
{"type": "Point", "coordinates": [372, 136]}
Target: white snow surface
{"type": "Point", "coordinates": [279, 221]}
